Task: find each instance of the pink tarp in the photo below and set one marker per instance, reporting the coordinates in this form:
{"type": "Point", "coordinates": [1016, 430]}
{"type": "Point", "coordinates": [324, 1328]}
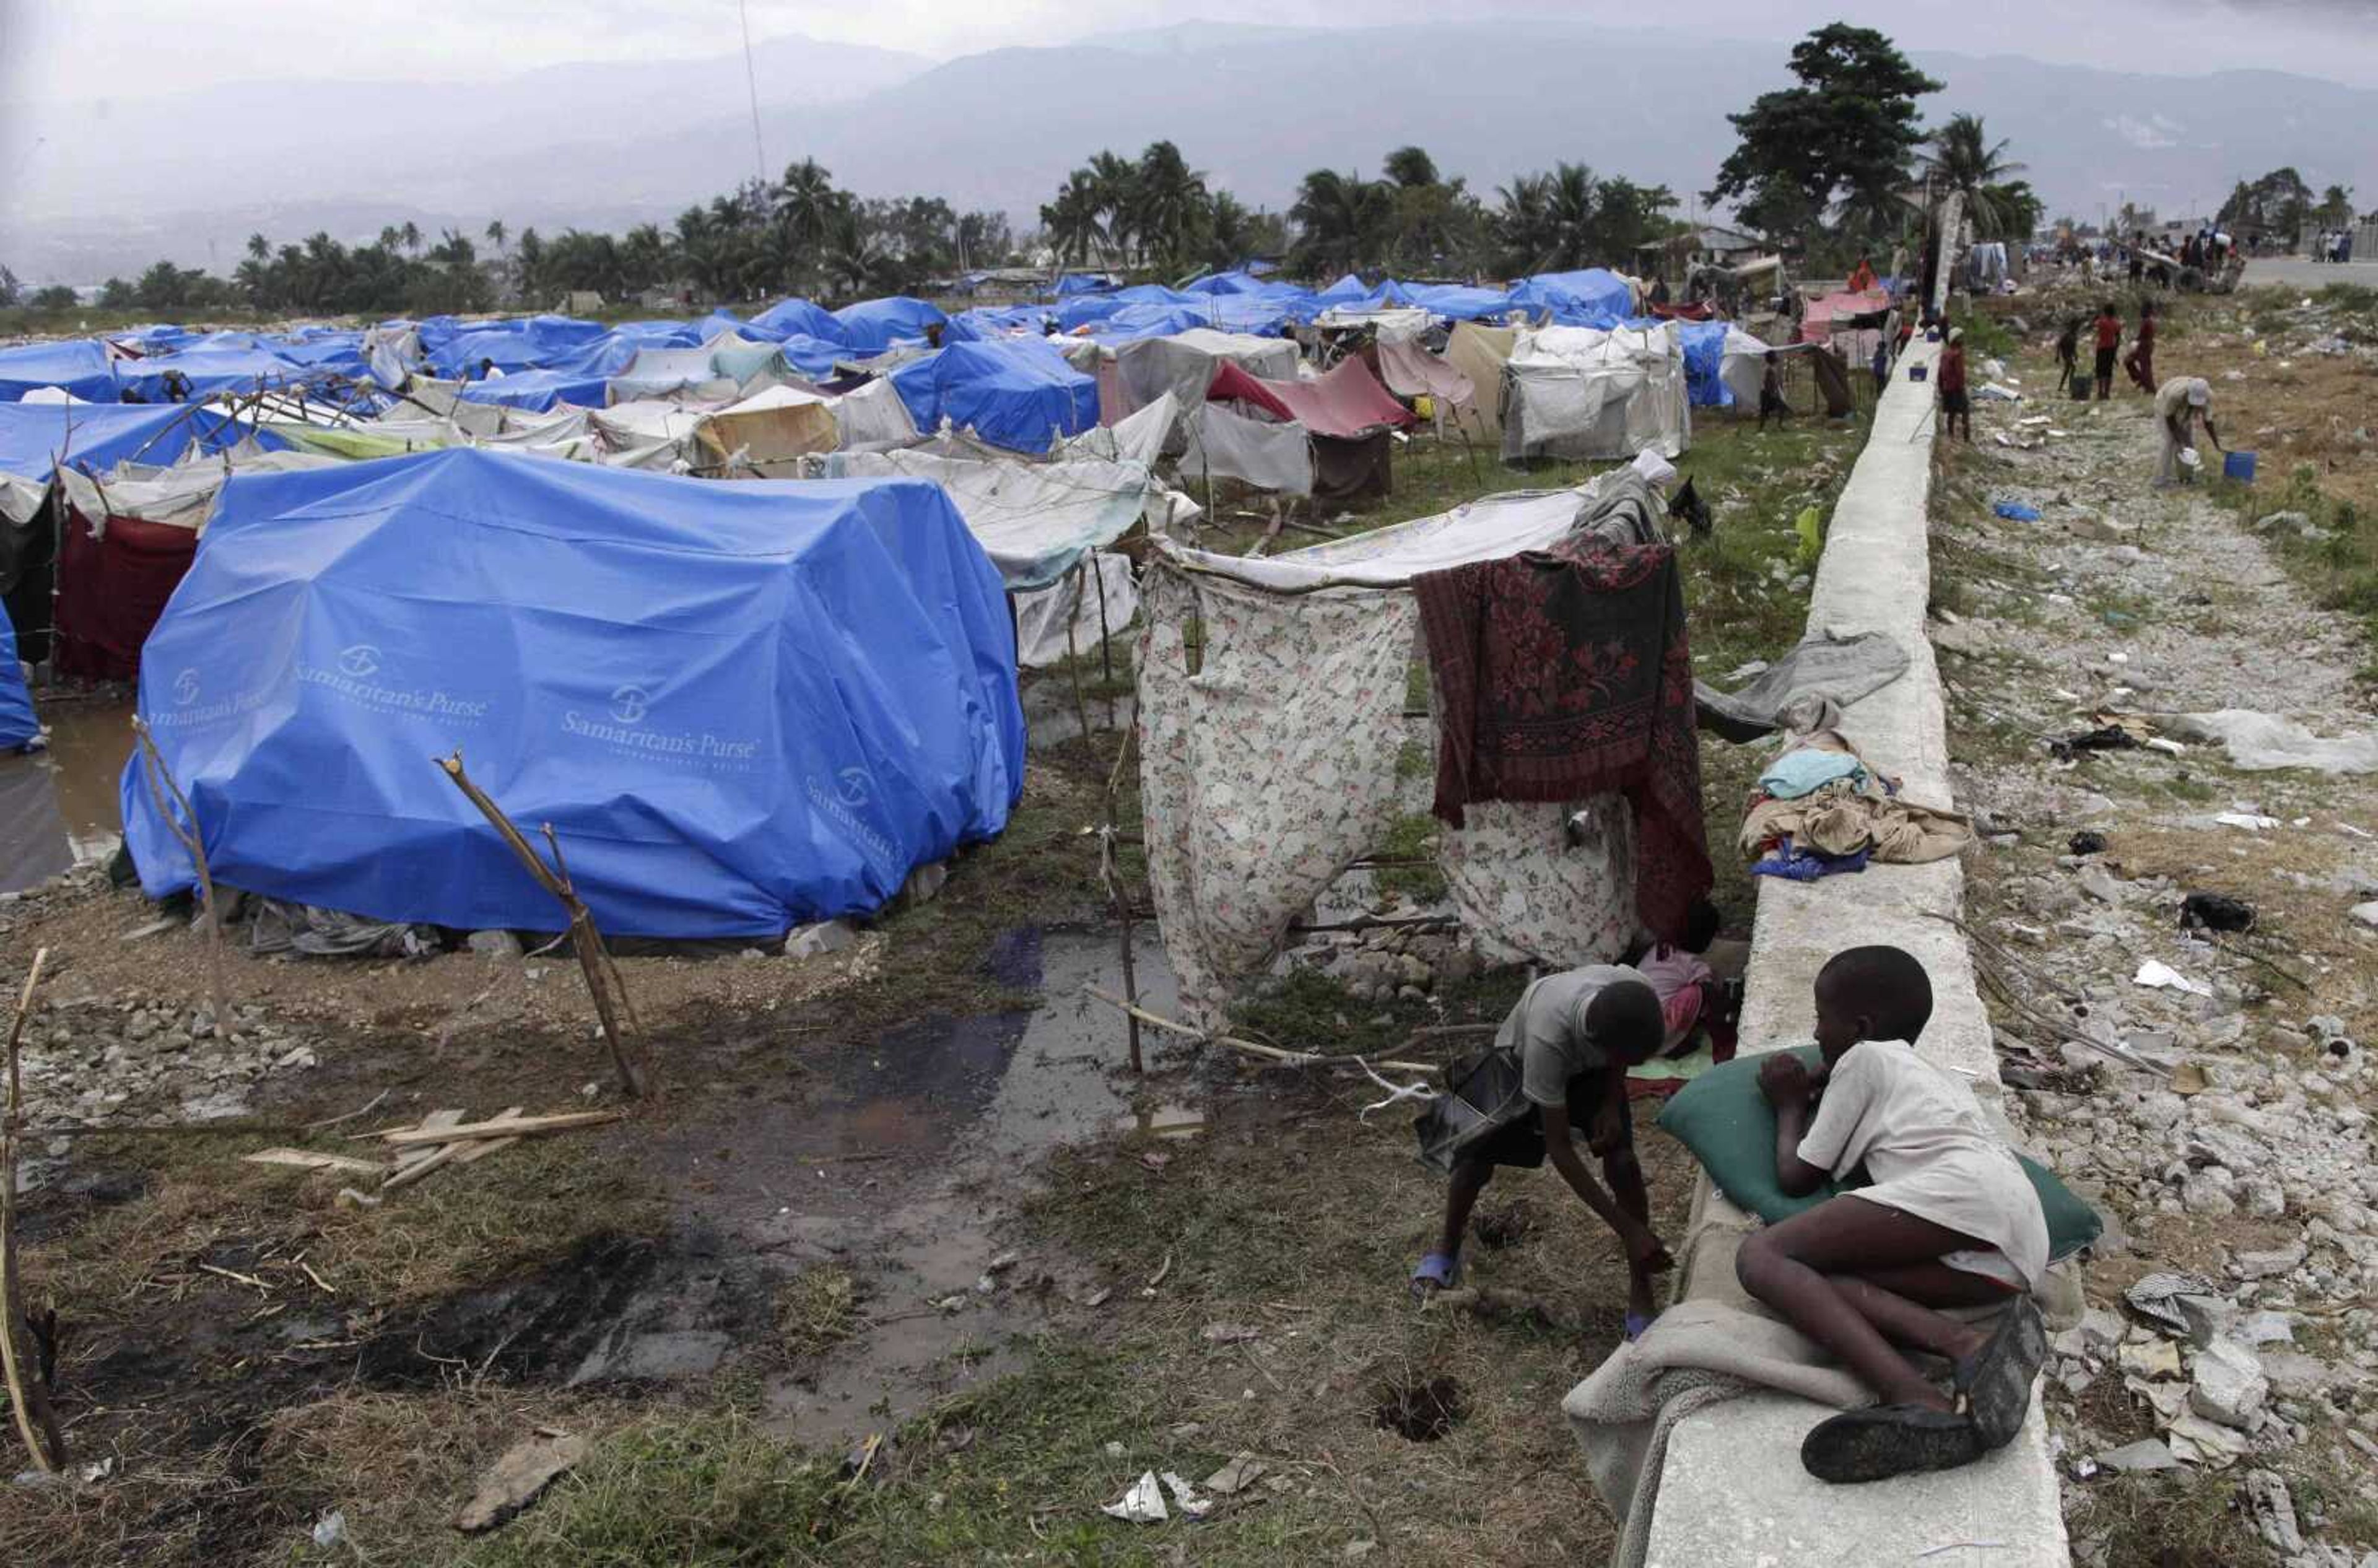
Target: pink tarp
{"type": "Point", "coordinates": [1410, 371]}
{"type": "Point", "coordinates": [1817, 326]}
{"type": "Point", "coordinates": [1346, 403]}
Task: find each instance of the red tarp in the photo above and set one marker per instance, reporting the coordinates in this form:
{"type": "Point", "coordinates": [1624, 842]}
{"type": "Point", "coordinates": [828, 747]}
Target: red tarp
{"type": "Point", "coordinates": [1346, 403]}
{"type": "Point", "coordinates": [111, 590]}
{"type": "Point", "coordinates": [1817, 326]}
{"type": "Point", "coordinates": [1699, 310]}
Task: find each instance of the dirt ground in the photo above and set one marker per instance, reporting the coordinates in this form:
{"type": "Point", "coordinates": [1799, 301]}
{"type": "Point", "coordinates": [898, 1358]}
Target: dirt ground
{"type": "Point", "coordinates": [906, 1267]}
{"type": "Point", "coordinates": [2123, 604]}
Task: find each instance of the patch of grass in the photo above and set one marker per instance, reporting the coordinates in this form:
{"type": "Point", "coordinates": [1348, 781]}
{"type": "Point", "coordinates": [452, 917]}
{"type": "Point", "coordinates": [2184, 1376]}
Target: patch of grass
{"type": "Point", "coordinates": [817, 1310]}
{"type": "Point", "coordinates": [1413, 837]}
{"type": "Point", "coordinates": [2340, 564]}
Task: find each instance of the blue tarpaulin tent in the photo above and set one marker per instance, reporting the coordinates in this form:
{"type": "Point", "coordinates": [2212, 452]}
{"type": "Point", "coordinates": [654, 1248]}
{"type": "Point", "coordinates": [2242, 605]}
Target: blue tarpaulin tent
{"type": "Point", "coordinates": [1594, 297]}
{"type": "Point", "coordinates": [81, 367]}
{"type": "Point", "coordinates": [1704, 345]}
{"type": "Point", "coordinates": [1017, 392]}
{"type": "Point", "coordinates": [871, 326]}
{"type": "Point", "coordinates": [17, 726]}
{"type": "Point", "coordinates": [741, 706]}
{"type": "Point", "coordinates": [213, 370]}
{"type": "Point", "coordinates": [34, 436]}
{"type": "Point", "coordinates": [801, 316]}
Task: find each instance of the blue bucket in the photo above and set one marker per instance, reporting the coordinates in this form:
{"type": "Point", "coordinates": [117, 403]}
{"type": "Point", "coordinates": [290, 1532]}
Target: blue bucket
{"type": "Point", "coordinates": [2239, 466]}
{"type": "Point", "coordinates": [1917, 373]}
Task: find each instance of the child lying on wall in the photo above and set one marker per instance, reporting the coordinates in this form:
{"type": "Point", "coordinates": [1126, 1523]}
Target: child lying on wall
{"type": "Point", "coordinates": [1948, 1221]}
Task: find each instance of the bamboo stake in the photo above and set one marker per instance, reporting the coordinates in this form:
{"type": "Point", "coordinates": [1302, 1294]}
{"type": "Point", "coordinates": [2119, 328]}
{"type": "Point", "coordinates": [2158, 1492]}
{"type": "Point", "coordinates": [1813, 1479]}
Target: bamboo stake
{"type": "Point", "coordinates": [29, 1399]}
{"type": "Point", "coordinates": [594, 958]}
{"type": "Point", "coordinates": [160, 781]}
{"type": "Point", "coordinates": [1073, 671]}
{"type": "Point", "coordinates": [1249, 1048]}
{"type": "Point", "coordinates": [1106, 637]}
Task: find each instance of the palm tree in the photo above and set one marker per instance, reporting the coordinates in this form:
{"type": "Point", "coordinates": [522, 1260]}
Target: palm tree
{"type": "Point", "coordinates": [1342, 219]}
{"type": "Point", "coordinates": [1071, 221]}
{"type": "Point", "coordinates": [644, 257]}
{"type": "Point", "coordinates": [1524, 222]}
{"type": "Point", "coordinates": [258, 249]}
{"type": "Point", "coordinates": [1410, 167]}
{"type": "Point", "coordinates": [1964, 159]}
{"type": "Point", "coordinates": [805, 200]}
{"type": "Point", "coordinates": [410, 235]}
{"type": "Point", "coordinates": [497, 233]}
{"type": "Point", "coordinates": [1116, 182]}
{"type": "Point", "coordinates": [1168, 201]}
{"type": "Point", "coordinates": [1572, 219]}
{"type": "Point", "coordinates": [390, 237]}
{"type": "Point", "coordinates": [1229, 231]}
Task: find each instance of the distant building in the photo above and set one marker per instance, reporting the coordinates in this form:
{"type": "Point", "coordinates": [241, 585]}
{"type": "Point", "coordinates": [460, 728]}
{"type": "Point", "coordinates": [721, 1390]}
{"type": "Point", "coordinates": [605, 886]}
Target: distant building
{"type": "Point", "coordinates": [1704, 245]}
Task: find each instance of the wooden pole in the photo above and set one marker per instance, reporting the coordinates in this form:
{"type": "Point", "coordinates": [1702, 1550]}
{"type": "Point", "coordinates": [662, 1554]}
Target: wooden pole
{"type": "Point", "coordinates": [1248, 1048]}
{"type": "Point", "coordinates": [160, 781]}
{"type": "Point", "coordinates": [1105, 636]}
{"type": "Point", "coordinates": [1110, 873]}
{"type": "Point", "coordinates": [1074, 668]}
{"type": "Point", "coordinates": [594, 958]}
{"type": "Point", "coordinates": [29, 1399]}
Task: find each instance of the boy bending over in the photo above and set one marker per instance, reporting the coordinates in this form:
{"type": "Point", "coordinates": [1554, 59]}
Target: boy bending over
{"type": "Point", "coordinates": [1574, 1035]}
{"type": "Point", "coordinates": [1948, 1221]}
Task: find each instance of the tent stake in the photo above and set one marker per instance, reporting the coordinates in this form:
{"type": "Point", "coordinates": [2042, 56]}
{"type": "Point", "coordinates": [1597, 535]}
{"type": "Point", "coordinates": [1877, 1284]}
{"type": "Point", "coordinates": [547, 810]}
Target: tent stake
{"type": "Point", "coordinates": [1074, 667]}
{"type": "Point", "coordinates": [1105, 636]}
{"type": "Point", "coordinates": [1110, 873]}
{"type": "Point", "coordinates": [29, 1399]}
{"type": "Point", "coordinates": [602, 975]}
{"type": "Point", "coordinates": [161, 780]}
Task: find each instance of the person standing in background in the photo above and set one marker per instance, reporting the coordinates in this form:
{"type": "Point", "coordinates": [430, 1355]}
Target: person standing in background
{"type": "Point", "coordinates": [2109, 342]}
{"type": "Point", "coordinates": [2140, 362]}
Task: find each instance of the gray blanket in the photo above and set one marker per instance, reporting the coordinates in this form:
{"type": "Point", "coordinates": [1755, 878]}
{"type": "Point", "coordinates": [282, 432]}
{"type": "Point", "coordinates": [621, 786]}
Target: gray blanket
{"type": "Point", "coordinates": [1792, 693]}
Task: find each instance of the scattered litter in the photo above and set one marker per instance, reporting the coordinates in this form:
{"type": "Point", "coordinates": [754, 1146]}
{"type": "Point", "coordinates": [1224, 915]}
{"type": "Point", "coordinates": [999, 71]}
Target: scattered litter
{"type": "Point", "coordinates": [1228, 1333]}
{"type": "Point", "coordinates": [1096, 1298]}
{"type": "Point", "coordinates": [2251, 821]}
{"type": "Point", "coordinates": [516, 1480]}
{"type": "Point", "coordinates": [2015, 511]}
{"type": "Point", "coordinates": [1142, 1504]}
{"type": "Point", "coordinates": [2157, 1299]}
{"type": "Point", "coordinates": [2260, 742]}
{"type": "Point", "coordinates": [2086, 842]}
{"type": "Point", "coordinates": [2168, 747]}
{"type": "Point", "coordinates": [98, 1471]}
{"type": "Point", "coordinates": [315, 1159]}
{"type": "Point", "coordinates": [2216, 911]}
{"type": "Point", "coordinates": [1241, 1472]}
{"type": "Point", "coordinates": [2133, 1458]}
{"type": "Point", "coordinates": [2155, 975]}
{"type": "Point", "coordinates": [1396, 1094]}
{"type": "Point", "coordinates": [330, 1528]}
{"type": "Point", "coordinates": [1158, 1278]}
{"type": "Point", "coordinates": [1003, 1263]}
{"type": "Point", "coordinates": [2105, 737]}
{"type": "Point", "coordinates": [1186, 1497]}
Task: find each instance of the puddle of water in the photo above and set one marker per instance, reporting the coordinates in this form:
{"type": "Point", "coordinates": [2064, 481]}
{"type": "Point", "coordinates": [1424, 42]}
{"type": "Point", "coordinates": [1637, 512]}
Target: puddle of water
{"type": "Point", "coordinates": [58, 807]}
{"type": "Point", "coordinates": [1051, 718]}
{"type": "Point", "coordinates": [1175, 1122]}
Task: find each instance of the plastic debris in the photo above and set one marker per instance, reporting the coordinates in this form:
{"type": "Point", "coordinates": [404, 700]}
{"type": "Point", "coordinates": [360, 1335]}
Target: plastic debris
{"type": "Point", "coordinates": [2216, 911]}
{"type": "Point", "coordinates": [2086, 842]}
{"type": "Point", "coordinates": [1242, 1472]}
{"type": "Point", "coordinates": [2015, 511]}
{"type": "Point", "coordinates": [330, 1528]}
{"type": "Point", "coordinates": [1186, 1496]}
{"type": "Point", "coordinates": [2157, 976]}
{"type": "Point", "coordinates": [2252, 821]}
{"type": "Point", "coordinates": [1142, 1504]}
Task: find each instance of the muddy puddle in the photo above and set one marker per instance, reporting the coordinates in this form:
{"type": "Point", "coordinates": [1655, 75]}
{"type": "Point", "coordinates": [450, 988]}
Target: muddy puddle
{"type": "Point", "coordinates": [58, 807]}
{"type": "Point", "coordinates": [895, 1162]}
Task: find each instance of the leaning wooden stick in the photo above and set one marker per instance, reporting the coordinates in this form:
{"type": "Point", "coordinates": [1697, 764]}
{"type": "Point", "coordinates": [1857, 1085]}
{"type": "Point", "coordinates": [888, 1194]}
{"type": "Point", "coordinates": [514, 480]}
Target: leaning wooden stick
{"type": "Point", "coordinates": [29, 1399]}
{"type": "Point", "coordinates": [1248, 1048]}
{"type": "Point", "coordinates": [160, 781]}
{"type": "Point", "coordinates": [594, 958]}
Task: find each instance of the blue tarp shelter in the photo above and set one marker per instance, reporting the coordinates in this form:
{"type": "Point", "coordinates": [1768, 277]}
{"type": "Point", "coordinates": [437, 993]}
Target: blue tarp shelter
{"type": "Point", "coordinates": [1704, 345]}
{"type": "Point", "coordinates": [34, 436]}
{"type": "Point", "coordinates": [18, 725]}
{"type": "Point", "coordinates": [871, 326]}
{"type": "Point", "coordinates": [81, 366]}
{"type": "Point", "coordinates": [741, 706]}
{"type": "Point", "coordinates": [996, 321]}
{"type": "Point", "coordinates": [801, 316]}
{"type": "Point", "coordinates": [1074, 284]}
{"type": "Point", "coordinates": [1017, 392]}
{"type": "Point", "coordinates": [1594, 297]}
{"type": "Point", "coordinates": [213, 370]}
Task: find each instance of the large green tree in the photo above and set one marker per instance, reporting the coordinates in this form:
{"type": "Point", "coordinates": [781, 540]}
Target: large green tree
{"type": "Point", "coordinates": [1962, 158]}
{"type": "Point", "coordinates": [1344, 222]}
{"type": "Point", "coordinates": [1842, 139]}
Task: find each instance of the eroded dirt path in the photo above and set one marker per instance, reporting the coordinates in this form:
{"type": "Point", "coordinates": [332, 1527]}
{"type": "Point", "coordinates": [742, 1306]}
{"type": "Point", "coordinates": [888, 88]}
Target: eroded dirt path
{"type": "Point", "coordinates": [2246, 1162]}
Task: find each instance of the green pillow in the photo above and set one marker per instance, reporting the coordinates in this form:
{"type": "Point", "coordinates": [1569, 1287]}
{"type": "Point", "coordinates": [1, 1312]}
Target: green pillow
{"type": "Point", "coordinates": [1730, 1128]}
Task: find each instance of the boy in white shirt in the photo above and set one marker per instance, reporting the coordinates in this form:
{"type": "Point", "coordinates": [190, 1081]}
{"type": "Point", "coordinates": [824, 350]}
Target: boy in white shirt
{"type": "Point", "coordinates": [1948, 1220]}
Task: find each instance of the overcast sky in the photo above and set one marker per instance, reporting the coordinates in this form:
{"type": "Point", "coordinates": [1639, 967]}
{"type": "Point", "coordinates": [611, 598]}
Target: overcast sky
{"type": "Point", "coordinates": [52, 49]}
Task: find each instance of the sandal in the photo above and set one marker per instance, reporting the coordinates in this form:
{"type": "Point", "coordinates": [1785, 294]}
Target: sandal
{"type": "Point", "coordinates": [1888, 1440]}
{"type": "Point", "coordinates": [1438, 1271]}
{"type": "Point", "coordinates": [1995, 1380]}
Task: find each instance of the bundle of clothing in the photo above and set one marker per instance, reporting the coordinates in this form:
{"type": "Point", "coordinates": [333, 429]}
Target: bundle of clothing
{"type": "Point", "coordinates": [1564, 673]}
{"type": "Point", "coordinates": [1821, 809]}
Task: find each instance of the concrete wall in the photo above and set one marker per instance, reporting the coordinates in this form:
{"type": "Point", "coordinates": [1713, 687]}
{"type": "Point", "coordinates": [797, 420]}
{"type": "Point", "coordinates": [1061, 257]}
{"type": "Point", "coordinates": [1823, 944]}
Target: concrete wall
{"type": "Point", "coordinates": [1733, 1492]}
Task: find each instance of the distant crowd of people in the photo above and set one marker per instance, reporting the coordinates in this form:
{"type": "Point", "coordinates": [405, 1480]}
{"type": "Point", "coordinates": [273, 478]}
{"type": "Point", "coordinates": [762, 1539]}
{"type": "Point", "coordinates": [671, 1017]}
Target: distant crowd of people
{"type": "Point", "coordinates": [2332, 245]}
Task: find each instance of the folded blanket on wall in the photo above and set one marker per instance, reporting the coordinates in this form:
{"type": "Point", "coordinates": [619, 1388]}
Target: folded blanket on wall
{"type": "Point", "coordinates": [1843, 819]}
{"type": "Point", "coordinates": [1564, 673]}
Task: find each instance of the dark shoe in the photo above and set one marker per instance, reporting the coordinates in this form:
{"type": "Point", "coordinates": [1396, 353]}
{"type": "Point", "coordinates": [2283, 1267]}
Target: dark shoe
{"type": "Point", "coordinates": [1888, 1440]}
{"type": "Point", "coordinates": [1997, 1379]}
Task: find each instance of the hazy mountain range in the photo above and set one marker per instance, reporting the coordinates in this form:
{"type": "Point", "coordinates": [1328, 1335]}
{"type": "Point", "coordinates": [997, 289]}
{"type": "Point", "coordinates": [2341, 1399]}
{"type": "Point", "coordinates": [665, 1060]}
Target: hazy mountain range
{"type": "Point", "coordinates": [106, 188]}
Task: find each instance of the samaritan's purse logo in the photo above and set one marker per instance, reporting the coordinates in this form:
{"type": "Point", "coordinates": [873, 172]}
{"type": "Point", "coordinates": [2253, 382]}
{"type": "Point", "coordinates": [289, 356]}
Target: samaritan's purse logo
{"type": "Point", "coordinates": [353, 677]}
{"type": "Point", "coordinates": [630, 703]}
{"type": "Point", "coordinates": [622, 727]}
{"type": "Point", "coordinates": [185, 687]}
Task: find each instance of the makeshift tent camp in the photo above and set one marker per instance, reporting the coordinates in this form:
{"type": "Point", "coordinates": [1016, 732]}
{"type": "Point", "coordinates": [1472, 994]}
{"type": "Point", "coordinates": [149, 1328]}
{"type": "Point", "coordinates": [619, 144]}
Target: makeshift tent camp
{"type": "Point", "coordinates": [665, 373]}
{"type": "Point", "coordinates": [1035, 520]}
{"type": "Point", "coordinates": [18, 727]}
{"type": "Point", "coordinates": [81, 367]}
{"type": "Point", "coordinates": [1583, 392]}
{"type": "Point", "coordinates": [1594, 296]}
{"type": "Point", "coordinates": [872, 326]}
{"type": "Point", "coordinates": [1185, 364]}
{"type": "Point", "coordinates": [1351, 419]}
{"type": "Point", "coordinates": [766, 433]}
{"type": "Point", "coordinates": [741, 706]}
{"type": "Point", "coordinates": [1410, 371]}
{"type": "Point", "coordinates": [1015, 393]}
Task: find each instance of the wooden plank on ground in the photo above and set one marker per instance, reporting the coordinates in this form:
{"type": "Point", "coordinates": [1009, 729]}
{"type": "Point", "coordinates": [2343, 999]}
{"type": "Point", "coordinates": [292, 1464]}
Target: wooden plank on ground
{"type": "Point", "coordinates": [314, 1159]}
{"type": "Point", "coordinates": [480, 1148]}
{"type": "Point", "coordinates": [413, 1137]}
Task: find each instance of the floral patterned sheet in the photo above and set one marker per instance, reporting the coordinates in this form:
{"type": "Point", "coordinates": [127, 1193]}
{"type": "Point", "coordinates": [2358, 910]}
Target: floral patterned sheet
{"type": "Point", "coordinates": [1528, 891]}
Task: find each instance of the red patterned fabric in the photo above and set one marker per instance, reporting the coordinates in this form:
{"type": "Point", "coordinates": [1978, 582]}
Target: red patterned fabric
{"type": "Point", "coordinates": [111, 592]}
{"type": "Point", "coordinates": [1566, 674]}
